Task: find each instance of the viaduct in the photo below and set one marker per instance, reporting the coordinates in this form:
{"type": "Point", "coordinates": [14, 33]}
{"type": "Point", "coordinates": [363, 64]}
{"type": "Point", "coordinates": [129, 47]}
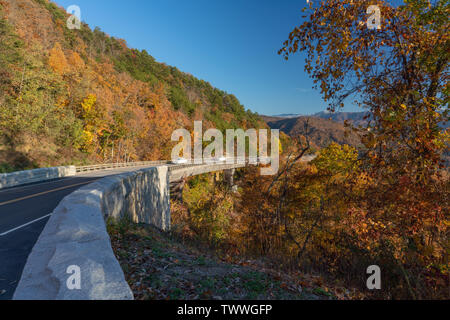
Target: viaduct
{"type": "Point", "coordinates": [55, 218]}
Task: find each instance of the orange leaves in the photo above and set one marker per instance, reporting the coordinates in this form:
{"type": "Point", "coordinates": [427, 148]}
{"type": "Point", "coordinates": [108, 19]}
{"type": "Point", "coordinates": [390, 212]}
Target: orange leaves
{"type": "Point", "coordinates": [75, 62]}
{"type": "Point", "coordinates": [57, 59]}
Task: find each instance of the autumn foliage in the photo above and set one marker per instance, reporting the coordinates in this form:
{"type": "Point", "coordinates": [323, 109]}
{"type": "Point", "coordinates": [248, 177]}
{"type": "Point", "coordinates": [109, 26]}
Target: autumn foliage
{"type": "Point", "coordinates": [81, 96]}
{"type": "Point", "coordinates": [400, 74]}
{"type": "Point", "coordinates": [387, 203]}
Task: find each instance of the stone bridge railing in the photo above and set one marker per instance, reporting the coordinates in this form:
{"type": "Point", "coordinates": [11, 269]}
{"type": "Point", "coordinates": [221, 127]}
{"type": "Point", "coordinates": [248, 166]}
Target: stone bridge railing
{"type": "Point", "coordinates": [14, 179]}
{"type": "Point", "coordinates": [105, 166]}
{"type": "Point", "coordinates": [184, 171]}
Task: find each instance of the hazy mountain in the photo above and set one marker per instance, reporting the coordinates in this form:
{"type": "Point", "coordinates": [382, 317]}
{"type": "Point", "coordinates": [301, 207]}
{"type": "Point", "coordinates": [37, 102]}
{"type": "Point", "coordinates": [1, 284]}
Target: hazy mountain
{"type": "Point", "coordinates": [356, 118]}
{"type": "Point", "coordinates": [321, 131]}
{"type": "Point", "coordinates": [287, 115]}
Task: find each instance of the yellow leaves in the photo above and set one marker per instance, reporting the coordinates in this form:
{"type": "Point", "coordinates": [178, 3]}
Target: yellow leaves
{"type": "Point", "coordinates": [364, 180]}
{"type": "Point", "coordinates": [280, 146]}
{"type": "Point", "coordinates": [369, 140]}
{"type": "Point", "coordinates": [337, 159]}
{"type": "Point", "coordinates": [403, 106]}
{"type": "Point", "coordinates": [87, 141]}
{"type": "Point", "coordinates": [87, 106]}
{"type": "Point", "coordinates": [291, 215]}
{"type": "Point", "coordinates": [88, 137]}
{"type": "Point", "coordinates": [94, 126]}
{"type": "Point", "coordinates": [312, 169]}
{"type": "Point", "coordinates": [364, 227]}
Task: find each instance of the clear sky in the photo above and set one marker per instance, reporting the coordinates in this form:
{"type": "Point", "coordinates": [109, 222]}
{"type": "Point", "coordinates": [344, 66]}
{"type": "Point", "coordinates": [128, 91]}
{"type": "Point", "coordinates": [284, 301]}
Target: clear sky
{"type": "Point", "coordinates": [232, 44]}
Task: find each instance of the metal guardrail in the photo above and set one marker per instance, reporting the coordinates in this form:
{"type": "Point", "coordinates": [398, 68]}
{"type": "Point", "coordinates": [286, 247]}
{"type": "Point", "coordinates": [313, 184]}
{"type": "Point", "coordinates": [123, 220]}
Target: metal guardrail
{"type": "Point", "coordinates": [172, 167]}
{"type": "Point", "coordinates": [210, 162]}
{"type": "Point", "coordinates": [104, 166]}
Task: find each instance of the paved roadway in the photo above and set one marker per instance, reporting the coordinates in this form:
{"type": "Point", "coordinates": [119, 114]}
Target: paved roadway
{"type": "Point", "coordinates": [24, 211]}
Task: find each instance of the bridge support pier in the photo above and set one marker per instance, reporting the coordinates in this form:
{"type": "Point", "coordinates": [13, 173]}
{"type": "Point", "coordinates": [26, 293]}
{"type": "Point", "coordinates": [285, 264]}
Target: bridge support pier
{"type": "Point", "coordinates": [176, 189]}
{"type": "Point", "coordinates": [229, 177]}
{"type": "Point", "coordinates": [216, 177]}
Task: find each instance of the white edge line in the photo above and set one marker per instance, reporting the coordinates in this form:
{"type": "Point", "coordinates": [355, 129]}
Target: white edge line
{"type": "Point", "coordinates": [24, 225]}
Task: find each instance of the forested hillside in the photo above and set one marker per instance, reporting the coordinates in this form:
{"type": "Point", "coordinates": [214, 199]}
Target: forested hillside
{"type": "Point", "coordinates": [82, 96]}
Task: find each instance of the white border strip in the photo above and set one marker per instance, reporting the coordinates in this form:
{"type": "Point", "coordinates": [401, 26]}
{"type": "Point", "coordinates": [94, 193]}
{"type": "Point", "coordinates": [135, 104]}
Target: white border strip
{"type": "Point", "coordinates": [24, 225]}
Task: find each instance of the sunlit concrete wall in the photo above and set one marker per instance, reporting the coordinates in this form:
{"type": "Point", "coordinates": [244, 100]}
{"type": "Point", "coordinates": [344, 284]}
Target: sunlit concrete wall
{"type": "Point", "coordinates": [13, 179]}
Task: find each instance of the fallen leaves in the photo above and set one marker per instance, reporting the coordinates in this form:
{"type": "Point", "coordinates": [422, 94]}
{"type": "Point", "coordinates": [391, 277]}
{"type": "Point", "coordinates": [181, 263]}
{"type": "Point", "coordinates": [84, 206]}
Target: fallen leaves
{"type": "Point", "coordinates": [157, 268]}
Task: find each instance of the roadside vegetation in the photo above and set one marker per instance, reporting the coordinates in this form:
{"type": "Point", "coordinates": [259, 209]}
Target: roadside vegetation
{"type": "Point", "coordinates": [160, 266]}
{"type": "Point", "coordinates": [386, 204]}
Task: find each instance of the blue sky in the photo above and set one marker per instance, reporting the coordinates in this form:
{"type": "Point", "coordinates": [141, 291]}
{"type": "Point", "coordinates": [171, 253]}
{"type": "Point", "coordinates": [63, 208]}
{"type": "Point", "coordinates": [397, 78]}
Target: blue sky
{"type": "Point", "coordinates": [232, 44]}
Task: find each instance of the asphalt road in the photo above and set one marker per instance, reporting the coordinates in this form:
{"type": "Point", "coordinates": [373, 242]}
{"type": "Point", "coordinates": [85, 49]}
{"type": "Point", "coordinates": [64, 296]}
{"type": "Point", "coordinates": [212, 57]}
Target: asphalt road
{"type": "Point", "coordinates": [24, 211]}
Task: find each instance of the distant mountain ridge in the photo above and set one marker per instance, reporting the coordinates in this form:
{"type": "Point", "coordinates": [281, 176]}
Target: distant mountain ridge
{"type": "Point", "coordinates": [356, 118]}
{"type": "Point", "coordinates": [321, 131]}
{"type": "Point", "coordinates": [324, 127]}
{"type": "Point", "coordinates": [288, 115]}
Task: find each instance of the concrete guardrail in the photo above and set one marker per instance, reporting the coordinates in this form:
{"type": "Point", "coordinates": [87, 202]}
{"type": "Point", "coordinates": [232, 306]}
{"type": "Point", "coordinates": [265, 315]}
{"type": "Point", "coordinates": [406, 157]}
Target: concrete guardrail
{"type": "Point", "coordinates": [76, 236]}
{"type": "Point", "coordinates": [14, 179]}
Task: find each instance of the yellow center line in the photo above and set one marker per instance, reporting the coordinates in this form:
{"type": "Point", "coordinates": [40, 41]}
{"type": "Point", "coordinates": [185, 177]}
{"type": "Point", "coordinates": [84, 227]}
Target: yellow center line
{"type": "Point", "coordinates": [45, 192]}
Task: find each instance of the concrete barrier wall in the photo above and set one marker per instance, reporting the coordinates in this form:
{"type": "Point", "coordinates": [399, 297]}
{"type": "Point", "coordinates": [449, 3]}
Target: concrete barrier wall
{"type": "Point", "coordinates": [76, 235]}
{"type": "Point", "coordinates": [13, 179]}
